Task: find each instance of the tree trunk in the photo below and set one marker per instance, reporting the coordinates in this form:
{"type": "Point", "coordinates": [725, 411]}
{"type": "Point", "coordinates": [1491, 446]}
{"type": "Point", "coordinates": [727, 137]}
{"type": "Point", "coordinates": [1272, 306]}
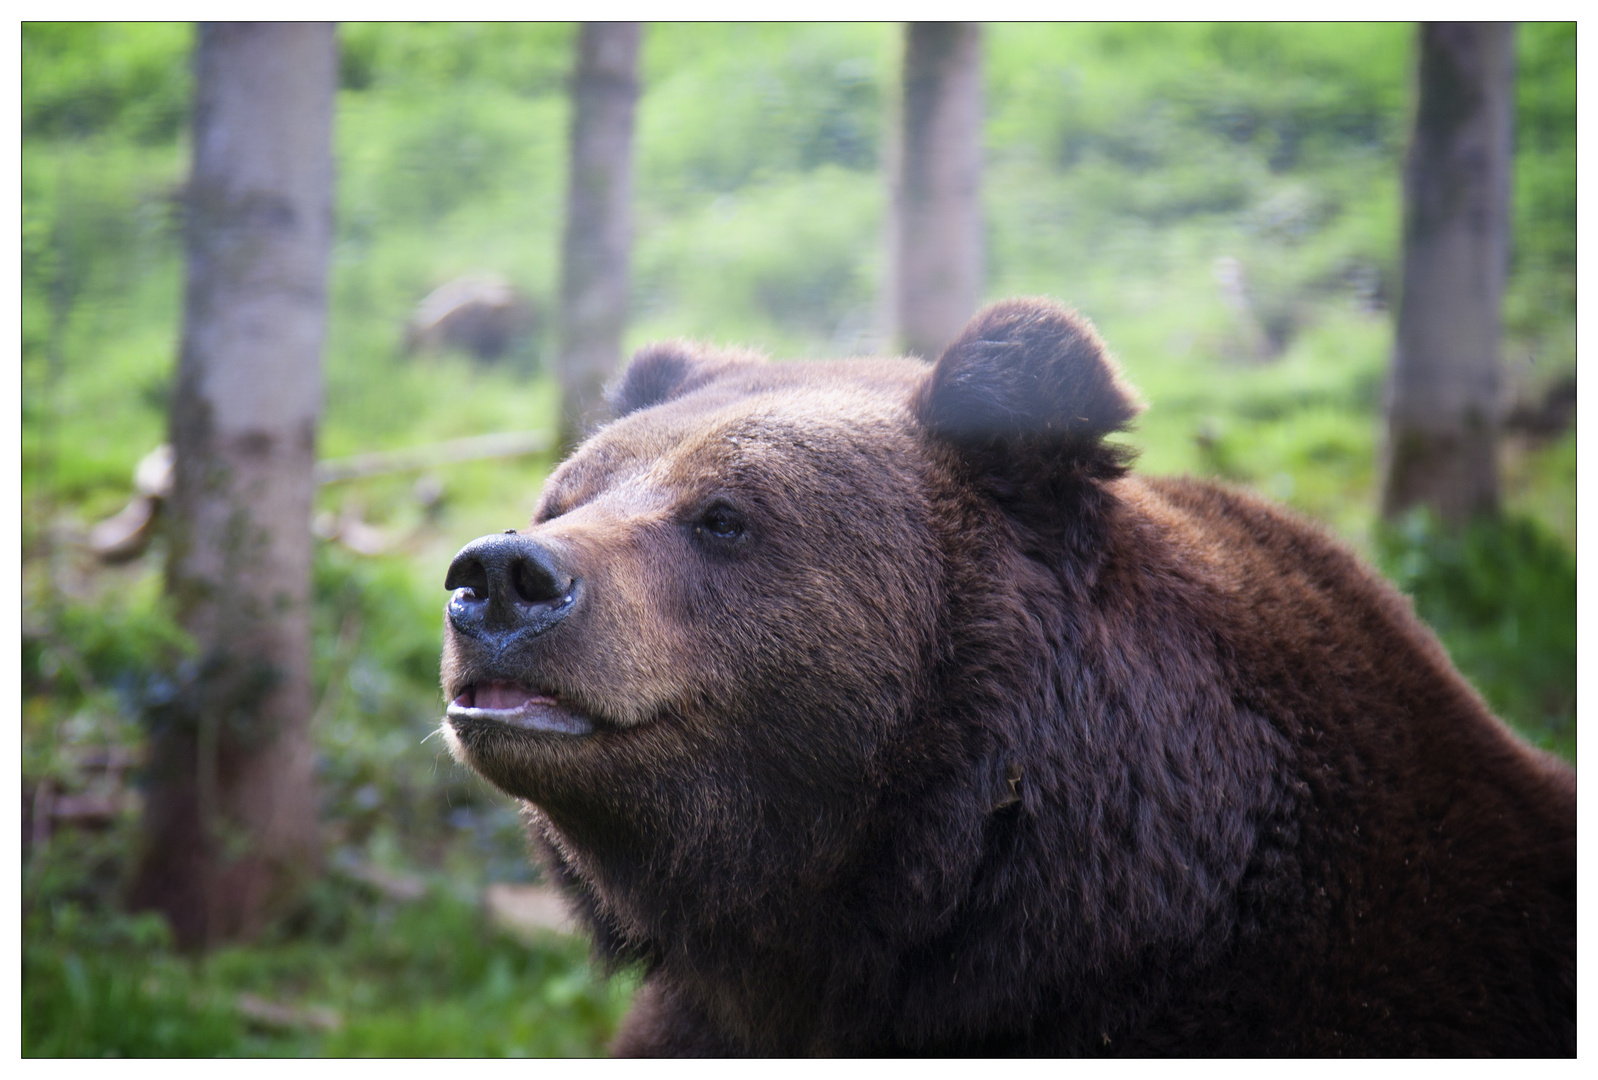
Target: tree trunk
{"type": "Point", "coordinates": [598, 239]}
{"type": "Point", "coordinates": [1444, 399]}
{"type": "Point", "coordinates": [937, 234]}
{"type": "Point", "coordinates": [230, 819]}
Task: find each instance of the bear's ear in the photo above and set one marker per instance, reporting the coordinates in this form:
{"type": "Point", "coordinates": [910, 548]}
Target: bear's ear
{"type": "Point", "coordinates": [666, 370]}
{"type": "Point", "coordinates": [1027, 393]}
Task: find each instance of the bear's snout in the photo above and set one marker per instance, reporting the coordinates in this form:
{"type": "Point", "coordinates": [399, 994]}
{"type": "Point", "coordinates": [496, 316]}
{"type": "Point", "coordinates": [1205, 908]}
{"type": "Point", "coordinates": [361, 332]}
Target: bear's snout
{"type": "Point", "coordinates": [508, 586]}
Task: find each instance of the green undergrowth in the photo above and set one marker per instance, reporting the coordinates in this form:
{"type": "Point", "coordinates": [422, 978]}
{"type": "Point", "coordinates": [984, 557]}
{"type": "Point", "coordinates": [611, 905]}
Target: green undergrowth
{"type": "Point", "coordinates": [426, 978]}
{"type": "Point", "coordinates": [1501, 595]}
{"type": "Point", "coordinates": [352, 970]}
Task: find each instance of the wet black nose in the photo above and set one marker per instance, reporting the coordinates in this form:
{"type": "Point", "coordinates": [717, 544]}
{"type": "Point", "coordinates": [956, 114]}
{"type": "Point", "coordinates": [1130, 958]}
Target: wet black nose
{"type": "Point", "coordinates": [507, 585]}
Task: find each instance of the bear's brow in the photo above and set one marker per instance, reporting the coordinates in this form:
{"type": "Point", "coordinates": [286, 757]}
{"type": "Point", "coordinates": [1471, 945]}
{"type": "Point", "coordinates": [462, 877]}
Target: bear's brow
{"type": "Point", "coordinates": [680, 447]}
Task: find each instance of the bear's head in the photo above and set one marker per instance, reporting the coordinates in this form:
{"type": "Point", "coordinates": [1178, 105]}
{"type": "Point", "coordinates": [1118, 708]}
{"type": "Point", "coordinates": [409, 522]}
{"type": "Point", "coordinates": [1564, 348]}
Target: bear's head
{"type": "Point", "coordinates": [764, 634]}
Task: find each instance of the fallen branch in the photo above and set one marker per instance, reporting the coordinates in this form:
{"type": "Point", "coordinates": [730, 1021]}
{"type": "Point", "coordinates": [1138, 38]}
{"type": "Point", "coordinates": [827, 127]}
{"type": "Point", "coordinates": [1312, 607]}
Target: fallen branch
{"type": "Point", "coordinates": [276, 1016]}
{"type": "Point", "coordinates": [125, 535]}
{"type": "Point", "coordinates": [415, 458]}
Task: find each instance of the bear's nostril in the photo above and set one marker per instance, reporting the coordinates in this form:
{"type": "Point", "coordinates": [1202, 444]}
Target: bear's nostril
{"type": "Point", "coordinates": [467, 574]}
{"type": "Point", "coordinates": [535, 584]}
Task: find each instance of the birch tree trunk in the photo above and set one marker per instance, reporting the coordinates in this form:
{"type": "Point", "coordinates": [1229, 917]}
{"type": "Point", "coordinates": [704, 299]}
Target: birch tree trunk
{"type": "Point", "coordinates": [937, 233]}
{"type": "Point", "coordinates": [1444, 397]}
{"type": "Point", "coordinates": [230, 819]}
{"type": "Point", "coordinates": [598, 238]}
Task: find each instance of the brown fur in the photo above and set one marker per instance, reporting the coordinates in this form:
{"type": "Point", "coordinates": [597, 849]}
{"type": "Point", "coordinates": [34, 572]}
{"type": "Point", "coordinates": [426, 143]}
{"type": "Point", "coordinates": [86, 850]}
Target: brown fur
{"type": "Point", "coordinates": [964, 740]}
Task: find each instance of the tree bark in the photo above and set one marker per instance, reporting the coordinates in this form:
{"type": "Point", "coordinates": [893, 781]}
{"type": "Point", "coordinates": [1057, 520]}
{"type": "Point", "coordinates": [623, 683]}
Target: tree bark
{"type": "Point", "coordinates": [1444, 398]}
{"type": "Point", "coordinates": [598, 238]}
{"type": "Point", "coordinates": [937, 233]}
{"type": "Point", "coordinates": [230, 821]}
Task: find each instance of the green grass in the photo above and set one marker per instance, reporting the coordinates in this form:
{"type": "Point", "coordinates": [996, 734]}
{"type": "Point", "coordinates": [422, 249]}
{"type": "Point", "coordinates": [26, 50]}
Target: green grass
{"type": "Point", "coordinates": [429, 978]}
{"type": "Point", "coordinates": [1130, 169]}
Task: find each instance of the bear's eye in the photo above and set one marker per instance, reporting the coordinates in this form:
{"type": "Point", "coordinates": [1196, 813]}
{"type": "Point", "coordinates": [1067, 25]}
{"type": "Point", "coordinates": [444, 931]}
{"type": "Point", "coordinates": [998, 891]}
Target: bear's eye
{"type": "Point", "coordinates": [720, 522]}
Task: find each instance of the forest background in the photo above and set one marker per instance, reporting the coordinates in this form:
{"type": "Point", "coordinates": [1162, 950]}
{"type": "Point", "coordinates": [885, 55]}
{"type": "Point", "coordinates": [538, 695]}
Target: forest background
{"type": "Point", "coordinates": [1223, 201]}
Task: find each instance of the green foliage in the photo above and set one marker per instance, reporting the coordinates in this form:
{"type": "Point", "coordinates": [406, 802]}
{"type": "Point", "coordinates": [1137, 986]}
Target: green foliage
{"type": "Point", "coordinates": [99, 267]}
{"type": "Point", "coordinates": [1139, 163]}
{"type": "Point", "coordinates": [428, 978]}
{"type": "Point", "coordinates": [107, 985]}
{"type": "Point", "coordinates": [82, 78]}
{"type": "Point", "coordinates": [1502, 597]}
{"type": "Point", "coordinates": [75, 647]}
{"type": "Point", "coordinates": [734, 104]}
{"type": "Point", "coordinates": [1540, 483]}
{"type": "Point", "coordinates": [785, 260]}
{"type": "Point", "coordinates": [422, 977]}
{"type": "Point", "coordinates": [506, 998]}
{"type": "Point", "coordinates": [89, 666]}
{"type": "Point", "coordinates": [1542, 287]}
{"type": "Point", "coordinates": [530, 59]}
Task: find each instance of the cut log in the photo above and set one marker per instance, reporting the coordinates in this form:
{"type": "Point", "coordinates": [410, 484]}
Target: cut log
{"type": "Point", "coordinates": [528, 909]}
{"type": "Point", "coordinates": [124, 536]}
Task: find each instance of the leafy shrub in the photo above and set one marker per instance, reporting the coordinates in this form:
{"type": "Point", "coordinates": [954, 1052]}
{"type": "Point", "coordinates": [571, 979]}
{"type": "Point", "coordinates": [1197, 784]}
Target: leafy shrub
{"type": "Point", "coordinates": [106, 985]}
{"type": "Point", "coordinates": [427, 978]}
{"type": "Point", "coordinates": [1501, 595]}
{"type": "Point", "coordinates": [82, 78]}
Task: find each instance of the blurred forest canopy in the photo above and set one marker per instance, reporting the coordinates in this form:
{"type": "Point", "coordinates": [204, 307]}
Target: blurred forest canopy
{"type": "Point", "coordinates": [1222, 200]}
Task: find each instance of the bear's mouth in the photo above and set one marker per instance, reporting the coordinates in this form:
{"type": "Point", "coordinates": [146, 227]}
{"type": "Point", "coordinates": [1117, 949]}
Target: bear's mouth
{"type": "Point", "coordinates": [518, 706]}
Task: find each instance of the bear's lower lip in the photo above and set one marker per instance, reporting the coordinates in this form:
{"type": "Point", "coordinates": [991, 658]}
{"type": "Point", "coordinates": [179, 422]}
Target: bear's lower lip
{"type": "Point", "coordinates": [516, 706]}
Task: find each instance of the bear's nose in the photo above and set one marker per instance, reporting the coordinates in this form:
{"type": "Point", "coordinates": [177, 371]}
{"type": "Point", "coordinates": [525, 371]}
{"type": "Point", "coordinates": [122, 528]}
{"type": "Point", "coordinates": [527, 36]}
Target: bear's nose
{"type": "Point", "coordinates": [507, 584]}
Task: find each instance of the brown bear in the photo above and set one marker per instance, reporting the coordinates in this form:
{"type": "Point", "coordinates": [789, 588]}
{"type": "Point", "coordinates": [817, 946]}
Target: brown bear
{"type": "Point", "coordinates": [874, 707]}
